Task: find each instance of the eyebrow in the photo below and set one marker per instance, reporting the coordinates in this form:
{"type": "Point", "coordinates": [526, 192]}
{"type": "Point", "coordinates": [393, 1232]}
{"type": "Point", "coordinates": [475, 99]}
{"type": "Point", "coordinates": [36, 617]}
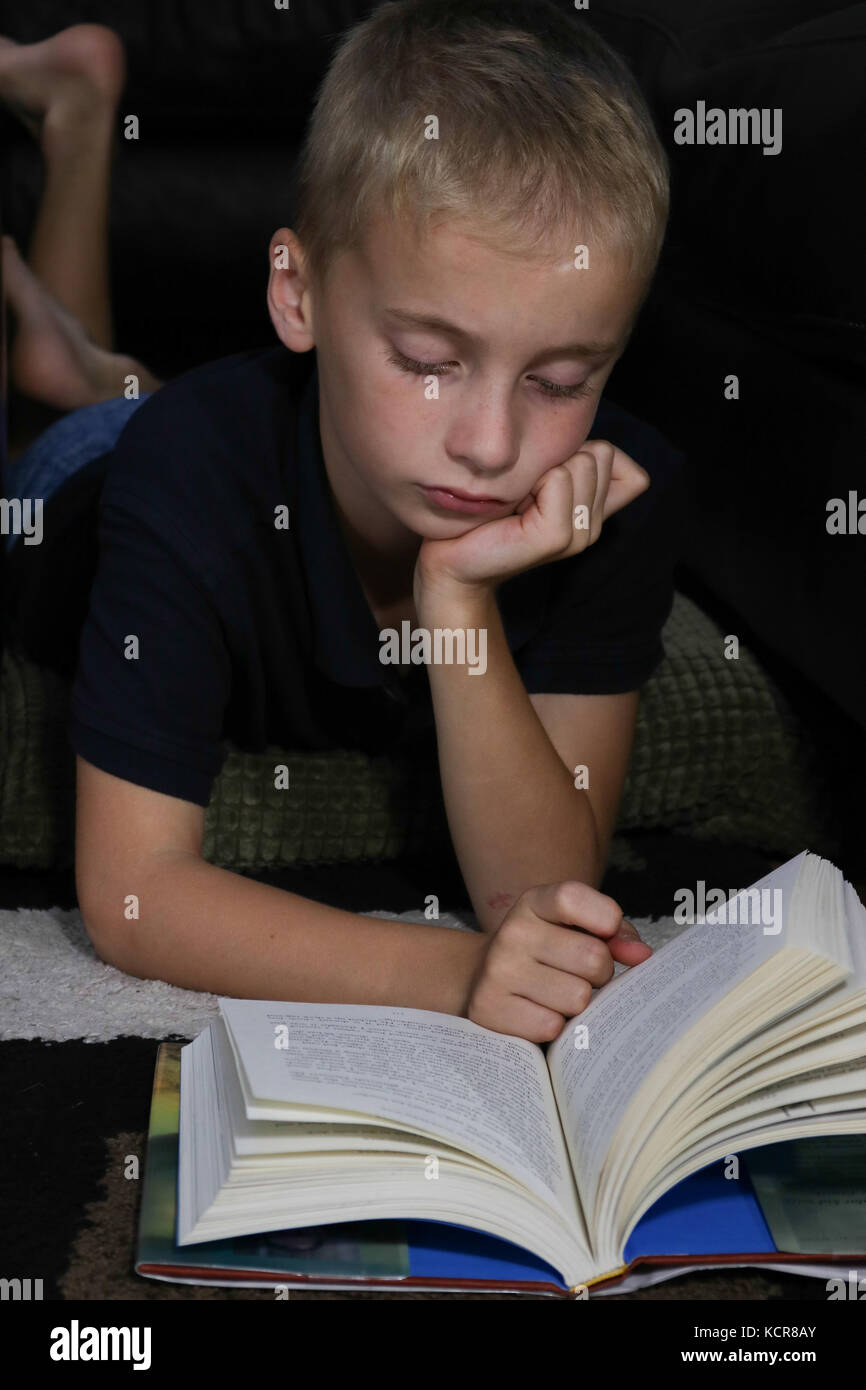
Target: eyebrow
{"type": "Point", "coordinates": [590, 349]}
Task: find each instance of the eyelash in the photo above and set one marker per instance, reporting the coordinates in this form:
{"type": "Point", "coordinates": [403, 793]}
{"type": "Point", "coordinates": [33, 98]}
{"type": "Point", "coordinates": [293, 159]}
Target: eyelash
{"type": "Point", "coordinates": [548, 388]}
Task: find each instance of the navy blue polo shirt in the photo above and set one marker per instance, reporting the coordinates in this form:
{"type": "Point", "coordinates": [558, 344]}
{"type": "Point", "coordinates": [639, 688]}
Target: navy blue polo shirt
{"type": "Point", "coordinates": [208, 624]}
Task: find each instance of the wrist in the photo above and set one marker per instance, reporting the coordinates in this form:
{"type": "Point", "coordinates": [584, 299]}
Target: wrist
{"type": "Point", "coordinates": [453, 601]}
{"type": "Point", "coordinates": [471, 969]}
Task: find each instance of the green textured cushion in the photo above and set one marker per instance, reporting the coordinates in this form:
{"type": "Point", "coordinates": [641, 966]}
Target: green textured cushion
{"type": "Point", "coordinates": [718, 754]}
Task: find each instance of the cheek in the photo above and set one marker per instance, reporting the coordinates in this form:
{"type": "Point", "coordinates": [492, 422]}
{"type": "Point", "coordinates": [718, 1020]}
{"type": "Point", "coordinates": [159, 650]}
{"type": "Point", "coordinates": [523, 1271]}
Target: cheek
{"type": "Point", "coordinates": [549, 443]}
{"type": "Point", "coordinates": [559, 437]}
{"type": "Point", "coordinates": [385, 436]}
{"type": "Point", "coordinates": [401, 430]}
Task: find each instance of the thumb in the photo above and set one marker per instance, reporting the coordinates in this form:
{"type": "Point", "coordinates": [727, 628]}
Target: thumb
{"type": "Point", "coordinates": [628, 931]}
{"type": "Point", "coordinates": [626, 946]}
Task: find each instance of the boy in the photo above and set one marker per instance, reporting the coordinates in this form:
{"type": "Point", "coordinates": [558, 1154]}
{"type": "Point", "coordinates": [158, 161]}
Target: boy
{"type": "Point", "coordinates": [482, 204]}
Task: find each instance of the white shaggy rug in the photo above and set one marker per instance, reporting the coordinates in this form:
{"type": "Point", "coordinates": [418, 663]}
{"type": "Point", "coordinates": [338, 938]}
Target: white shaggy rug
{"type": "Point", "coordinates": [54, 987]}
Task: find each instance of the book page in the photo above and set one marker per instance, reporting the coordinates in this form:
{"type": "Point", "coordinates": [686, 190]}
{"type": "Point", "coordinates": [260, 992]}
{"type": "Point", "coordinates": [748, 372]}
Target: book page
{"type": "Point", "coordinates": [281, 1137]}
{"type": "Point", "coordinates": [484, 1092]}
{"type": "Point", "coordinates": [632, 1022]}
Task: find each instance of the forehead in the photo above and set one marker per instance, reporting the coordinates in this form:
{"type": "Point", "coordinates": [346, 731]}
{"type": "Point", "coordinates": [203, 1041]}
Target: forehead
{"type": "Point", "coordinates": [454, 270]}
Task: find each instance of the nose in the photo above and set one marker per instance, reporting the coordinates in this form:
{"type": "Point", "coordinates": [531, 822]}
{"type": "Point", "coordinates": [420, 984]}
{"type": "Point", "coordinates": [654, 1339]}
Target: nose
{"type": "Point", "coordinates": [484, 436]}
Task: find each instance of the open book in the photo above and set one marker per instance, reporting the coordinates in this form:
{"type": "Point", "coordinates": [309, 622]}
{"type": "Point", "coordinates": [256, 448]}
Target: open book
{"type": "Point", "coordinates": [747, 1029]}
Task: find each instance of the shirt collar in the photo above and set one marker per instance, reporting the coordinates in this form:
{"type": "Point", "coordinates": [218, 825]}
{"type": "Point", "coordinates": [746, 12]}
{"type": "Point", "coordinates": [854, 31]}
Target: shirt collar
{"type": "Point", "coordinates": [345, 634]}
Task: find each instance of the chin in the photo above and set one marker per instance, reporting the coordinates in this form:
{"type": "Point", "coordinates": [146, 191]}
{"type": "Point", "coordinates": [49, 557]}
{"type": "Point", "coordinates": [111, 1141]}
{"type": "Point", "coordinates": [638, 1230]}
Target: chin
{"type": "Point", "coordinates": [444, 528]}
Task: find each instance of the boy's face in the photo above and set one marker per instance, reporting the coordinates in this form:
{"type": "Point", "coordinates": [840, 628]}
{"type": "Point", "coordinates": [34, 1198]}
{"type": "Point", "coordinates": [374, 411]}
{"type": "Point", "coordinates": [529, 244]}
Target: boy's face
{"type": "Point", "coordinates": [498, 422]}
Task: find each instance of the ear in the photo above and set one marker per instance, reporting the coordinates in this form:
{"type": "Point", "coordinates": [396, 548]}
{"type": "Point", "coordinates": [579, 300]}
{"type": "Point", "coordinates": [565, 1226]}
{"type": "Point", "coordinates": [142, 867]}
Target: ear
{"type": "Point", "coordinates": [290, 302]}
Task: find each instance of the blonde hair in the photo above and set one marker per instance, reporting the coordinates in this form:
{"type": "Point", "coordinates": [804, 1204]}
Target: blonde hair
{"type": "Point", "coordinates": [542, 129]}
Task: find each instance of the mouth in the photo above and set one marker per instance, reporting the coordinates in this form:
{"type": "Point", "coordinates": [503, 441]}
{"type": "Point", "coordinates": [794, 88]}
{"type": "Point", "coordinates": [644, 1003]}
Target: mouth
{"type": "Point", "coordinates": [454, 500]}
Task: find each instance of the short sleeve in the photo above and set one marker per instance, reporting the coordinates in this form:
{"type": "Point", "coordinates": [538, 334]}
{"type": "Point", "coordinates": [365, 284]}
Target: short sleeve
{"type": "Point", "coordinates": [602, 629]}
{"type": "Point", "coordinates": [150, 712]}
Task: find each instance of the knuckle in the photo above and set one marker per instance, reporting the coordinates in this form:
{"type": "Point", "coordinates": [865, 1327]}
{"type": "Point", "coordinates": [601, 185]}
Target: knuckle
{"type": "Point", "coordinates": [514, 930]}
{"type": "Point", "coordinates": [589, 469]}
{"type": "Point", "coordinates": [582, 995]}
{"type": "Point", "coordinates": [611, 911]}
{"type": "Point", "coordinates": [550, 1029]}
{"type": "Point", "coordinates": [596, 955]}
{"type": "Point", "coordinates": [570, 894]}
{"type": "Point", "coordinates": [559, 899]}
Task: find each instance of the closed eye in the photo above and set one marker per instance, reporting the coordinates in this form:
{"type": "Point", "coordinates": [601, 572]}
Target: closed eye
{"type": "Point", "coordinates": [552, 389]}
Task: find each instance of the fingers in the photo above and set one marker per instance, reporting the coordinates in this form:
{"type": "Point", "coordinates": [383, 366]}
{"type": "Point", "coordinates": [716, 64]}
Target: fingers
{"type": "Point", "coordinates": [570, 498]}
{"type": "Point", "coordinates": [553, 502]}
{"type": "Point", "coordinates": [627, 951]}
{"type": "Point", "coordinates": [562, 991]}
{"type": "Point", "coordinates": [556, 945]}
{"type": "Point", "coordinates": [628, 930]}
{"type": "Point", "coordinates": [626, 479]}
{"type": "Point", "coordinates": [626, 947]}
{"type": "Point", "coordinates": [613, 482]}
{"type": "Point", "coordinates": [521, 1018]}
{"type": "Point", "coordinates": [602, 455]}
{"type": "Point", "coordinates": [544, 973]}
{"type": "Point", "coordinates": [589, 470]}
{"type": "Point", "coordinates": [570, 502]}
{"type": "Point", "coordinates": [574, 904]}
{"type": "Point", "coordinates": [540, 950]}
{"type": "Point", "coordinates": [525, 994]}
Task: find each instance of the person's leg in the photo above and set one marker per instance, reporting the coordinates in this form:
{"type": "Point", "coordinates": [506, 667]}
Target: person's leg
{"type": "Point", "coordinates": [64, 448]}
{"type": "Point", "coordinates": [51, 549]}
{"type": "Point", "coordinates": [66, 89]}
{"type": "Point", "coordinates": [53, 360]}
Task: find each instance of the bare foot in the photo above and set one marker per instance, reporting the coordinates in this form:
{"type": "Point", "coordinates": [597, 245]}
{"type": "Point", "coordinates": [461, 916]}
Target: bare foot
{"type": "Point", "coordinates": [52, 359]}
{"type": "Point", "coordinates": [74, 78]}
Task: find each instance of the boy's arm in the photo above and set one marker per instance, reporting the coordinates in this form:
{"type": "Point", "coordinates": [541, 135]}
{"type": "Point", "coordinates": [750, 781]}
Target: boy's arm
{"type": "Point", "coordinates": [597, 732]}
{"type": "Point", "coordinates": [202, 927]}
{"type": "Point", "coordinates": [515, 815]}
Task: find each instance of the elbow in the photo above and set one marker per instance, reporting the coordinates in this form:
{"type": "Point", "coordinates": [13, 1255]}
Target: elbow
{"type": "Point", "coordinates": [111, 944]}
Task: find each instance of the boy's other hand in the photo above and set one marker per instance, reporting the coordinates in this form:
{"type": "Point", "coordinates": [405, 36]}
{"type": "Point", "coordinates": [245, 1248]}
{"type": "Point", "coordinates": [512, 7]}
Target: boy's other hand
{"type": "Point", "coordinates": [538, 971]}
{"type": "Point", "coordinates": [562, 516]}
